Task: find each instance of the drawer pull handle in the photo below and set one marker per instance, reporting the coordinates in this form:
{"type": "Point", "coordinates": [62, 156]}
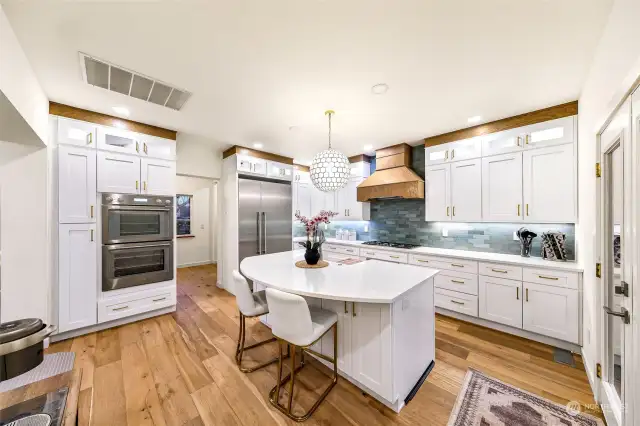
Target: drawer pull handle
{"type": "Point", "coordinates": [423, 261]}
{"type": "Point", "coordinates": [353, 309]}
{"type": "Point", "coordinates": [121, 308]}
{"type": "Point", "coordinates": [457, 303]}
{"type": "Point", "coordinates": [548, 278]}
{"type": "Point", "coordinates": [517, 293]}
{"type": "Point", "coordinates": [345, 307]}
{"type": "Point", "coordinates": [457, 265]}
{"type": "Point", "coordinates": [395, 257]}
{"type": "Point", "coordinates": [370, 252]}
{"type": "Point", "coordinates": [457, 281]}
{"type": "Point", "coordinates": [502, 271]}
{"type": "Point", "coordinates": [161, 299]}
{"type": "Point", "coordinates": [350, 251]}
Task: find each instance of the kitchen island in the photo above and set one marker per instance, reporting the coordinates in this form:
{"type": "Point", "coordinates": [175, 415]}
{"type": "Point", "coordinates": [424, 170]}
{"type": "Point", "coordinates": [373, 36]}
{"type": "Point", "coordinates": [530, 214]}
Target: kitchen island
{"type": "Point", "coordinates": [386, 318]}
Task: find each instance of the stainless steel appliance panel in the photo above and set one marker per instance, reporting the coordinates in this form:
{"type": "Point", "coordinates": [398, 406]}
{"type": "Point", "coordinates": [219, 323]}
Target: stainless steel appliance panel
{"type": "Point", "coordinates": [131, 219]}
{"type": "Point", "coordinates": [276, 217]}
{"type": "Point", "coordinates": [249, 218]}
{"type": "Point", "coordinates": [128, 265]}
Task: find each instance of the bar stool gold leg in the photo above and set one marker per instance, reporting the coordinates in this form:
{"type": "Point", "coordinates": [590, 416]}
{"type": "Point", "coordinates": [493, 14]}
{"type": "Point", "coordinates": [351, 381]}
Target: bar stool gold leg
{"type": "Point", "coordinates": [242, 335]}
{"type": "Point", "coordinates": [274, 394]}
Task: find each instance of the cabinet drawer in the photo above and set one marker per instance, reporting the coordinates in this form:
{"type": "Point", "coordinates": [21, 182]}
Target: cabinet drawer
{"type": "Point", "coordinates": [461, 281]}
{"type": "Point", "coordinates": [500, 271]}
{"type": "Point", "coordinates": [458, 302]}
{"type": "Point", "coordinates": [445, 263]}
{"type": "Point", "coordinates": [549, 277]}
{"type": "Point", "coordinates": [389, 256]}
{"type": "Point", "coordinates": [352, 251]}
{"type": "Point", "coordinates": [133, 304]}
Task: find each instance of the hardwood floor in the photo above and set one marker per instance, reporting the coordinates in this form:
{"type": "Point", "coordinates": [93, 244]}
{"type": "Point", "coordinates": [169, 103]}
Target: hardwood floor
{"type": "Point", "coordinates": [179, 369]}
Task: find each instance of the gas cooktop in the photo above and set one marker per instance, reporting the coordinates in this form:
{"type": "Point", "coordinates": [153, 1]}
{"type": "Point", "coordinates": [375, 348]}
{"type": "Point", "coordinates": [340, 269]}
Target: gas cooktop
{"type": "Point", "coordinates": [394, 245]}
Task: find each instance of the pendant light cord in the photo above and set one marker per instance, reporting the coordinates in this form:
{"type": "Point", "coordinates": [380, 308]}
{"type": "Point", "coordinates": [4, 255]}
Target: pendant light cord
{"type": "Point", "coordinates": [329, 130]}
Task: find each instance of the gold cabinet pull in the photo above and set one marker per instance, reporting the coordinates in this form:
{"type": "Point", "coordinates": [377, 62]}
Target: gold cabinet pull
{"type": "Point", "coordinates": [453, 211]}
{"type": "Point", "coordinates": [144, 147]}
{"type": "Point", "coordinates": [518, 141]}
{"type": "Point", "coordinates": [453, 153]}
{"type": "Point", "coordinates": [423, 261]}
{"type": "Point", "coordinates": [548, 278]}
{"type": "Point", "coordinates": [527, 294]}
{"type": "Point", "coordinates": [395, 257]}
{"type": "Point", "coordinates": [457, 265]}
{"type": "Point", "coordinates": [92, 235]}
{"type": "Point", "coordinates": [137, 146]}
{"type": "Point", "coordinates": [345, 307]}
{"type": "Point", "coordinates": [518, 209]}
{"type": "Point", "coordinates": [502, 271]}
{"type": "Point", "coordinates": [144, 185]}
{"type": "Point", "coordinates": [353, 308]}
{"type": "Point", "coordinates": [159, 300]}
{"type": "Point", "coordinates": [446, 155]}
{"type": "Point", "coordinates": [457, 281]}
{"type": "Point", "coordinates": [517, 293]}
{"type": "Point", "coordinates": [91, 208]}
{"type": "Point", "coordinates": [526, 139]}
{"type": "Point", "coordinates": [527, 208]}
{"type": "Point", "coordinates": [121, 308]}
{"type": "Point", "coordinates": [89, 138]}
{"type": "Point", "coordinates": [457, 303]}
{"type": "Point", "coordinates": [447, 211]}
{"type": "Point", "coordinates": [136, 184]}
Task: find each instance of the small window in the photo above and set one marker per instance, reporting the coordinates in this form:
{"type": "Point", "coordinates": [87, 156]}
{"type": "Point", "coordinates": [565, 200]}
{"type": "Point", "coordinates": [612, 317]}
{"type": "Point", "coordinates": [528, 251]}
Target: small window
{"type": "Point", "coordinates": [183, 214]}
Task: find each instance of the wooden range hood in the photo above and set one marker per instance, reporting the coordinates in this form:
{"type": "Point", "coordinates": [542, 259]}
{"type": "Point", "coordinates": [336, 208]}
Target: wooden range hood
{"type": "Point", "coordinates": [393, 177]}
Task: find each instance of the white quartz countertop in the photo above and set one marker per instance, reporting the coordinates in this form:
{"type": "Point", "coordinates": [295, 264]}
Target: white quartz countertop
{"type": "Point", "coordinates": [534, 262]}
{"type": "Point", "coordinates": [370, 281]}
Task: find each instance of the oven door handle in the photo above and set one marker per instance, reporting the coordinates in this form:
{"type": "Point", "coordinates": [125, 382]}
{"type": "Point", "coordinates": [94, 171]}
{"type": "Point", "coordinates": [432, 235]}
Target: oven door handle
{"type": "Point", "coordinates": [141, 208]}
{"type": "Point", "coordinates": [139, 246]}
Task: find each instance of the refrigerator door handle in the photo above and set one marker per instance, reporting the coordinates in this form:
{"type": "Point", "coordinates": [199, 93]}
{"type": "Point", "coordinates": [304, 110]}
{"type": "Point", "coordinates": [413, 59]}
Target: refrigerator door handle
{"type": "Point", "coordinates": [264, 232]}
{"type": "Point", "coordinates": [259, 233]}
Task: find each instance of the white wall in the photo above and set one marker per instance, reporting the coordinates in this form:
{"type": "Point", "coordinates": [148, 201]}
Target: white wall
{"type": "Point", "coordinates": [19, 85]}
{"type": "Point", "coordinates": [198, 156]}
{"type": "Point", "coordinates": [615, 67]}
{"type": "Point", "coordinates": [25, 275]}
{"type": "Point", "coordinates": [200, 248]}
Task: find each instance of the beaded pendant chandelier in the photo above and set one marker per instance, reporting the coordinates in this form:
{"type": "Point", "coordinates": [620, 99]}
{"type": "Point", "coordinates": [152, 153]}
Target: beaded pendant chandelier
{"type": "Point", "coordinates": [330, 168]}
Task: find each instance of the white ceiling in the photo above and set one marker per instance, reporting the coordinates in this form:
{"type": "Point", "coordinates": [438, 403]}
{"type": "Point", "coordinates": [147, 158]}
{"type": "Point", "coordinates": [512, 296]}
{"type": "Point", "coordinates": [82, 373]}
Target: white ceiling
{"type": "Point", "coordinates": [258, 67]}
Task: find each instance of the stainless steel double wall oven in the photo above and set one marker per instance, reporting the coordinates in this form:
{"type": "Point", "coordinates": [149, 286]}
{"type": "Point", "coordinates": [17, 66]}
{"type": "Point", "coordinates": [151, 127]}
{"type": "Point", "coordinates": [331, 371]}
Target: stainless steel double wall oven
{"type": "Point", "coordinates": [137, 240]}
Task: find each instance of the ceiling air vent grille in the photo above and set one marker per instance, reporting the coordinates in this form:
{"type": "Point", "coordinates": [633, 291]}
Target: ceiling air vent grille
{"type": "Point", "coordinates": [117, 79]}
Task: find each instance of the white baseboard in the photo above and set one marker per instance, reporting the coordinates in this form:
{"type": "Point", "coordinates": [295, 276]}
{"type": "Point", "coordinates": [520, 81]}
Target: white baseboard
{"type": "Point", "coordinates": [591, 375]}
{"type": "Point", "coordinates": [572, 347]}
{"type": "Point", "coordinates": [121, 321]}
{"type": "Point", "coordinates": [205, 262]}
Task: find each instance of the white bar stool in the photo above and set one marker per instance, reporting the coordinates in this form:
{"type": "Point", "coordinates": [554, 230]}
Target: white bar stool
{"type": "Point", "coordinates": [294, 323]}
{"type": "Point", "coordinates": [250, 305]}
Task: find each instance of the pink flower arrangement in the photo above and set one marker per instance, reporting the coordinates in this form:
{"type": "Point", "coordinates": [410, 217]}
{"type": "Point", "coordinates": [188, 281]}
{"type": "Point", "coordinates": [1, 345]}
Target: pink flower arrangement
{"type": "Point", "coordinates": [311, 224]}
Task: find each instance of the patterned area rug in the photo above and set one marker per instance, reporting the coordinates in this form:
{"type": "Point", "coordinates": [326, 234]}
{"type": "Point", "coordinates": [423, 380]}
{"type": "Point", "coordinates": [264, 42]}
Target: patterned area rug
{"type": "Point", "coordinates": [485, 401]}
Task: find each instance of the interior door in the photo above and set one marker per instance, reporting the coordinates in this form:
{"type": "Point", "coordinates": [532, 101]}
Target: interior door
{"type": "Point", "coordinates": [437, 196]}
{"type": "Point", "coordinates": [276, 217]}
{"type": "Point", "coordinates": [249, 219]}
{"type": "Point", "coordinates": [549, 184]}
{"type": "Point", "coordinates": [466, 190]}
{"type": "Point", "coordinates": [502, 187]}
{"type": "Point", "coordinates": [615, 243]}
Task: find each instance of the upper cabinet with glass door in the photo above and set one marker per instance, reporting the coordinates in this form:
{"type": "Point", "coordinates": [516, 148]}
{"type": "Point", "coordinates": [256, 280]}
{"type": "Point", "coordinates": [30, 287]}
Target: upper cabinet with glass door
{"type": "Point", "coordinates": [155, 147]}
{"type": "Point", "coordinates": [466, 149]}
{"type": "Point", "coordinates": [539, 135]}
{"type": "Point", "coordinates": [118, 140]}
{"type": "Point", "coordinates": [77, 133]}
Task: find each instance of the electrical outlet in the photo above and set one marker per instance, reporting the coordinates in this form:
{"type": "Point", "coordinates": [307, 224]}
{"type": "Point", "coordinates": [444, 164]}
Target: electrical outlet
{"type": "Point", "coordinates": [445, 232]}
{"type": "Point", "coordinates": [366, 227]}
{"type": "Point", "coordinates": [515, 236]}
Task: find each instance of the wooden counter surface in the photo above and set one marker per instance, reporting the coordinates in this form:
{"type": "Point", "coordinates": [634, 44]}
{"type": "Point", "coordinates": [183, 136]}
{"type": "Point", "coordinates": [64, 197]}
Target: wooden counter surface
{"type": "Point", "coordinates": [25, 393]}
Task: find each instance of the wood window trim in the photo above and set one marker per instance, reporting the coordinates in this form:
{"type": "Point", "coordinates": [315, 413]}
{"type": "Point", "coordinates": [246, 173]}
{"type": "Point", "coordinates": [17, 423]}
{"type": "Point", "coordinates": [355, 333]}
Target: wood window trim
{"type": "Point", "coordinates": [539, 116]}
{"type": "Point", "coordinates": [67, 111]}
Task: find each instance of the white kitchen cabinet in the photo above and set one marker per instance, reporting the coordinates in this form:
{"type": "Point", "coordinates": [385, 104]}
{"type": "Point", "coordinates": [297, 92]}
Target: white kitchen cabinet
{"type": "Point", "coordinates": [118, 173]}
{"type": "Point", "coordinates": [360, 169]}
{"type": "Point", "coordinates": [321, 200]}
{"type": "Point", "coordinates": [347, 205]}
{"type": "Point", "coordinates": [78, 133]}
{"type": "Point", "coordinates": [301, 176]}
{"type": "Point", "coordinates": [437, 194]}
{"type": "Point", "coordinates": [551, 311]}
{"type": "Point", "coordinates": [548, 133]}
{"type": "Point", "coordinates": [371, 346]}
{"type": "Point", "coordinates": [158, 177]}
{"type": "Point", "coordinates": [156, 147]}
{"type": "Point", "coordinates": [251, 165]}
{"type": "Point", "coordinates": [500, 300]}
{"type": "Point", "coordinates": [344, 311]}
{"type": "Point", "coordinates": [76, 184]}
{"type": "Point", "coordinates": [437, 154]}
{"type": "Point", "coordinates": [503, 142]}
{"type": "Point", "coordinates": [118, 140]}
{"type": "Point", "coordinates": [502, 188]}
{"type": "Point", "coordinates": [279, 171]}
{"type": "Point", "coordinates": [301, 201]}
{"type": "Point", "coordinates": [466, 190]}
{"type": "Point", "coordinates": [549, 184]}
{"type": "Point", "coordinates": [77, 279]}
{"type": "Point", "coordinates": [465, 149]}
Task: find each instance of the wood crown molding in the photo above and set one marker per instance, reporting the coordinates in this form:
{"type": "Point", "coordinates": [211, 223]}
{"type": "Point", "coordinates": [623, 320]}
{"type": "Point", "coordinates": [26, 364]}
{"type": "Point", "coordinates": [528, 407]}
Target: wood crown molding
{"type": "Point", "coordinates": [302, 168]}
{"type": "Point", "coordinates": [551, 113]}
{"type": "Point", "coordinates": [237, 149]}
{"type": "Point", "coordinates": [108, 120]}
{"type": "Point", "coordinates": [360, 158]}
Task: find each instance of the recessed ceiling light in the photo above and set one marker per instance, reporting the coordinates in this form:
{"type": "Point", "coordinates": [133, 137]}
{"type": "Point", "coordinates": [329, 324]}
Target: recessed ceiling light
{"type": "Point", "coordinates": [379, 89]}
{"type": "Point", "coordinates": [367, 148]}
{"type": "Point", "coordinates": [257, 145]}
{"type": "Point", "coordinates": [474, 119]}
{"type": "Point", "coordinates": [121, 110]}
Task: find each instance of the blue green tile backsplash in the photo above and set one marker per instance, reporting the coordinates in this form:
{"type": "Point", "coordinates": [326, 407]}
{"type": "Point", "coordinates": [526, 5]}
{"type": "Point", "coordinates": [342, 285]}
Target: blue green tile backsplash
{"type": "Point", "coordinates": [402, 221]}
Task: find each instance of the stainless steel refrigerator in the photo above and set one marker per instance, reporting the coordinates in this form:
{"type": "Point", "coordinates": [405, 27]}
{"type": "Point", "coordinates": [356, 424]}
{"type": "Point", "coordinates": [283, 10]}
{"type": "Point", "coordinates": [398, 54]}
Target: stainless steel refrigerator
{"type": "Point", "coordinates": [264, 217]}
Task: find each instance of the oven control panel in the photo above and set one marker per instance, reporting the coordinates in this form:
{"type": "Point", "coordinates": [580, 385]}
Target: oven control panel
{"type": "Point", "coordinates": [135, 200]}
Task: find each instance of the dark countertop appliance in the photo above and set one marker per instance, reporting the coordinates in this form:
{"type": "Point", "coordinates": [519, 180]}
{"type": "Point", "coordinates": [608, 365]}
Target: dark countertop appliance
{"type": "Point", "coordinates": [21, 346]}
